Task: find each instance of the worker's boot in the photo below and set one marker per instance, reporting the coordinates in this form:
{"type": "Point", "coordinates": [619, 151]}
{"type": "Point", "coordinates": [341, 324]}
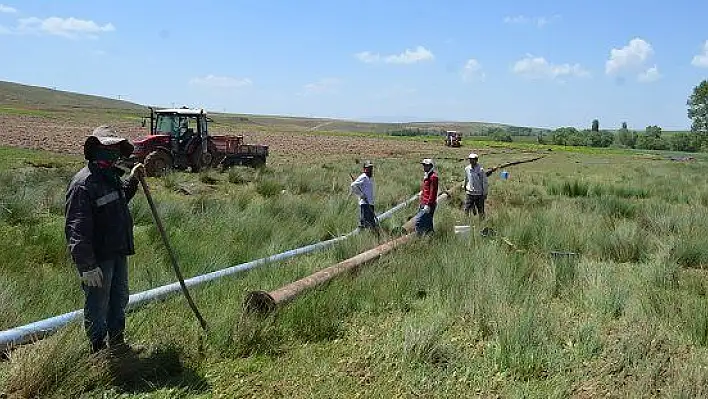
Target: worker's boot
{"type": "Point", "coordinates": [119, 347]}
{"type": "Point", "coordinates": [98, 346]}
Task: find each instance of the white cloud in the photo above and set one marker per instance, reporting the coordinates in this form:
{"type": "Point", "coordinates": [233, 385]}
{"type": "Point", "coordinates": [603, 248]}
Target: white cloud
{"type": "Point", "coordinates": [66, 27]}
{"type": "Point", "coordinates": [630, 58]}
{"type": "Point", "coordinates": [220, 82]}
{"type": "Point", "coordinates": [420, 54]}
{"type": "Point", "coordinates": [538, 68]}
{"type": "Point", "coordinates": [472, 71]}
{"type": "Point", "coordinates": [701, 60]}
{"type": "Point", "coordinates": [650, 75]}
{"type": "Point", "coordinates": [411, 56]}
{"type": "Point", "coordinates": [322, 86]}
{"type": "Point", "coordinates": [367, 57]}
{"type": "Point", "coordinates": [538, 21]}
{"type": "Point", "coordinates": [519, 19]}
{"type": "Point", "coordinates": [7, 9]}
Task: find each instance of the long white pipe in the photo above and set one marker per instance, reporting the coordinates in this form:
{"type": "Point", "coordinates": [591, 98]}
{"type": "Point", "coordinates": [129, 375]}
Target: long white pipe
{"type": "Point", "coordinates": [40, 329]}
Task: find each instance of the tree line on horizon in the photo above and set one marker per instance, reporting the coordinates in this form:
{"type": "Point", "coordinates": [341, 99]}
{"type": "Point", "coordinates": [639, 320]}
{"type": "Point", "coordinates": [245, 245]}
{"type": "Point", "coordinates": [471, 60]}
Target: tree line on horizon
{"type": "Point", "coordinates": [652, 138]}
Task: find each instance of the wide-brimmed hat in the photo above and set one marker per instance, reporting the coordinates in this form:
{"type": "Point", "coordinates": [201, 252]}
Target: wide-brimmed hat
{"type": "Point", "coordinates": [427, 161]}
{"type": "Point", "coordinates": [106, 136]}
{"type": "Point", "coordinates": [368, 164]}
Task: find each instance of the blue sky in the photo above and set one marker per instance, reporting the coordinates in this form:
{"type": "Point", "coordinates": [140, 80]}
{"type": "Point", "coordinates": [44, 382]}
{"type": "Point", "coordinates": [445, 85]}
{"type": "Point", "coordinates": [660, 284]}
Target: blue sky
{"type": "Point", "coordinates": [534, 63]}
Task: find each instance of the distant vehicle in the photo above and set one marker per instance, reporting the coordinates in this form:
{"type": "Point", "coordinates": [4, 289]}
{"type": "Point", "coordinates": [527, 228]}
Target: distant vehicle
{"type": "Point", "coordinates": [179, 139]}
{"type": "Point", "coordinates": [453, 138]}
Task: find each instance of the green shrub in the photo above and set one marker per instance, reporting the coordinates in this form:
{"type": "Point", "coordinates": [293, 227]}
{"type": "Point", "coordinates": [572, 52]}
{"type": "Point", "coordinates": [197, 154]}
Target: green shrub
{"type": "Point", "coordinates": [268, 188]}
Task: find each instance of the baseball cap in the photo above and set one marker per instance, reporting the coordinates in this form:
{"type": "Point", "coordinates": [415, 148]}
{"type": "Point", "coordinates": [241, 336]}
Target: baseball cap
{"type": "Point", "coordinates": [427, 161]}
{"type": "Point", "coordinates": [368, 164]}
{"type": "Point", "coordinates": [473, 156]}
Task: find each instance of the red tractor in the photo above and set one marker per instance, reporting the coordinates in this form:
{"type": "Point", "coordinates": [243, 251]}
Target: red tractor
{"type": "Point", "coordinates": [453, 138]}
{"type": "Point", "coordinates": [179, 139]}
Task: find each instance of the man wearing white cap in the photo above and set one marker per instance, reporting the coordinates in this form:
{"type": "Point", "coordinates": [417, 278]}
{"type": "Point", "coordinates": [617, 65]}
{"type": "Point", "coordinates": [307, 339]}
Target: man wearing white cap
{"type": "Point", "coordinates": [475, 186]}
{"type": "Point", "coordinates": [428, 198]}
{"type": "Point", "coordinates": [363, 187]}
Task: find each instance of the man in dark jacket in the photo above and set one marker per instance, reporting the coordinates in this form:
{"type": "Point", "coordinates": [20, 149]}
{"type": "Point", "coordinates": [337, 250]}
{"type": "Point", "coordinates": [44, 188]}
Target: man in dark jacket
{"type": "Point", "coordinates": [99, 234]}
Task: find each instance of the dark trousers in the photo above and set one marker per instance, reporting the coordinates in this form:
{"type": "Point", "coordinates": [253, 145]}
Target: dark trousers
{"type": "Point", "coordinates": [104, 309]}
{"type": "Point", "coordinates": [424, 221]}
{"type": "Point", "coordinates": [367, 216]}
{"type": "Point", "coordinates": [475, 204]}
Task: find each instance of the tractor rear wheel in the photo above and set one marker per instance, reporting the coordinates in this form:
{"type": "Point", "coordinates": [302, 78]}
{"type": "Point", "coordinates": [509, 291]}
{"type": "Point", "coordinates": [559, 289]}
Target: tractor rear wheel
{"type": "Point", "coordinates": [200, 160]}
{"type": "Point", "coordinates": [158, 163]}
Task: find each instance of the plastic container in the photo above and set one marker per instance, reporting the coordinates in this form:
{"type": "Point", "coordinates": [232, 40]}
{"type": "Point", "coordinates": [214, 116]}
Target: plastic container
{"type": "Point", "coordinates": [504, 175]}
{"type": "Point", "coordinates": [462, 230]}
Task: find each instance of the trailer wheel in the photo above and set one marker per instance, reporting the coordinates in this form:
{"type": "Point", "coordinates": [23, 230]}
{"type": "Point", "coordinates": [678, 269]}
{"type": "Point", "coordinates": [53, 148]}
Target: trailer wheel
{"type": "Point", "coordinates": [158, 163]}
{"type": "Point", "coordinates": [257, 162]}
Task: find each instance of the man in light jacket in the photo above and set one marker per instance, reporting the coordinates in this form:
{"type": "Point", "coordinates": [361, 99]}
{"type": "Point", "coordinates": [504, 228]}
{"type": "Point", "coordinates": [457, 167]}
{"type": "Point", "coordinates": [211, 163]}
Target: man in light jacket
{"type": "Point", "coordinates": [476, 187]}
{"type": "Point", "coordinates": [363, 187]}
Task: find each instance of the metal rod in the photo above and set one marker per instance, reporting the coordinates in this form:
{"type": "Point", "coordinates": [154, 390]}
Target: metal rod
{"type": "Point", "coordinates": [40, 329]}
{"type": "Point", "coordinates": [506, 165]}
{"type": "Point", "coordinates": [173, 258]}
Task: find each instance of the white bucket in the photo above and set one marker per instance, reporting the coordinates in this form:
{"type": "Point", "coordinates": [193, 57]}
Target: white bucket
{"type": "Point", "coordinates": [462, 230]}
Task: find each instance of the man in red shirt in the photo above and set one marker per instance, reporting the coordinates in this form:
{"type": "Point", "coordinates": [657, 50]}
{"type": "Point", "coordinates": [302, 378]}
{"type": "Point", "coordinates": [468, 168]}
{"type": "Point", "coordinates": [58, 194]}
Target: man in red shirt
{"type": "Point", "coordinates": [428, 199]}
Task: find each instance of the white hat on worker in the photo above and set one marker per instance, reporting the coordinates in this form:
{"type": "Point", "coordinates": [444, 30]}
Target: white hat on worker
{"type": "Point", "coordinates": [427, 161]}
{"type": "Point", "coordinates": [473, 156]}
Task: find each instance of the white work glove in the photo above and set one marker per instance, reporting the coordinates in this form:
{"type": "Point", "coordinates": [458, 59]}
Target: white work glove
{"type": "Point", "coordinates": [93, 277]}
{"type": "Point", "coordinates": [426, 209]}
{"type": "Point", "coordinates": [138, 168]}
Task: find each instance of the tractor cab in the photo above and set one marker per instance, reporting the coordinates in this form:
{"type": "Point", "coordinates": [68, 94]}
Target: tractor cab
{"type": "Point", "coordinates": [184, 126]}
{"type": "Point", "coordinates": [453, 138]}
{"type": "Point", "coordinates": [178, 139]}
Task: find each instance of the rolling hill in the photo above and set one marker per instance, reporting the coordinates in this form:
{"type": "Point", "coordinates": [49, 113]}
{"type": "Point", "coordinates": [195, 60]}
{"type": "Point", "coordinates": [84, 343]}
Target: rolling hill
{"type": "Point", "coordinates": [25, 96]}
{"type": "Point", "coordinates": [14, 96]}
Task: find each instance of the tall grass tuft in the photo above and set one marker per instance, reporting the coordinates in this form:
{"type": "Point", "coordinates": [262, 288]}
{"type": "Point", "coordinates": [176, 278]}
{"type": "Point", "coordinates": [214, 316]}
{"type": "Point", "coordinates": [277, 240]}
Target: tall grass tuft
{"type": "Point", "coordinates": [268, 187]}
{"type": "Point", "coordinates": [523, 345]}
{"type": "Point", "coordinates": [56, 367]}
{"type": "Point", "coordinates": [423, 344]}
{"type": "Point", "coordinates": [570, 188]}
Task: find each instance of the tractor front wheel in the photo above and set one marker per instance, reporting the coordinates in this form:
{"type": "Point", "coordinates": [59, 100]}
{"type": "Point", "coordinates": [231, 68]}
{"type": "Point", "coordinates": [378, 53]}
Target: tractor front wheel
{"type": "Point", "coordinates": [158, 163]}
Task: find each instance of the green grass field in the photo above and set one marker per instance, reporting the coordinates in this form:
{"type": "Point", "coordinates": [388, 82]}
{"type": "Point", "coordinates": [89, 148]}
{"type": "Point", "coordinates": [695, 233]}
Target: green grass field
{"type": "Point", "coordinates": [444, 316]}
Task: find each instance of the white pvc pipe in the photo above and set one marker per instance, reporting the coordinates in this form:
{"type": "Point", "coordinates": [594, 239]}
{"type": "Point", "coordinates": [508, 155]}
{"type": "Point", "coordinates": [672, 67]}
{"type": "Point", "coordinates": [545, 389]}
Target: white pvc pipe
{"type": "Point", "coordinates": [40, 329]}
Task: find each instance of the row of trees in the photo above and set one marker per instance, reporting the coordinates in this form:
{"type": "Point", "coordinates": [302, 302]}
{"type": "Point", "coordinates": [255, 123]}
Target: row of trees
{"type": "Point", "coordinates": [652, 137]}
